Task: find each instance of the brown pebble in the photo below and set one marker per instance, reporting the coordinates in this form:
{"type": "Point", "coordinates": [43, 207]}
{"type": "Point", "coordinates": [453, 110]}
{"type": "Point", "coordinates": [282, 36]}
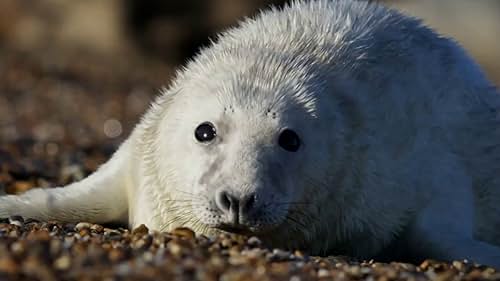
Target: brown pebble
{"type": "Point", "coordinates": [22, 186]}
{"type": "Point", "coordinates": [445, 276]}
{"type": "Point", "coordinates": [97, 228]}
{"type": "Point", "coordinates": [237, 260]}
{"type": "Point", "coordinates": [226, 242]}
{"type": "Point", "coordinates": [174, 248]}
{"type": "Point", "coordinates": [298, 254]}
{"type": "Point", "coordinates": [140, 230]}
{"type": "Point", "coordinates": [63, 262]}
{"type": "Point", "coordinates": [84, 232]}
{"type": "Point", "coordinates": [82, 225]}
{"type": "Point", "coordinates": [142, 243]}
{"type": "Point", "coordinates": [41, 235]}
{"type": "Point", "coordinates": [116, 255]}
{"type": "Point", "coordinates": [184, 232]}
{"type": "Point", "coordinates": [8, 265]}
{"type": "Point", "coordinates": [18, 248]}
{"type": "Point", "coordinates": [425, 265]}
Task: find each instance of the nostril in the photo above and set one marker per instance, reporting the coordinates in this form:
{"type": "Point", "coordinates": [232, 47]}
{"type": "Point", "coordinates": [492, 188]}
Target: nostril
{"type": "Point", "coordinates": [224, 201]}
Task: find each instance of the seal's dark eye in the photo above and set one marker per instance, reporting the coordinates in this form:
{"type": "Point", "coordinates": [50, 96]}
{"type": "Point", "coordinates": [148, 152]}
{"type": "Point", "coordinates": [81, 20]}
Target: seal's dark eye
{"type": "Point", "coordinates": [289, 140]}
{"type": "Point", "coordinates": [205, 132]}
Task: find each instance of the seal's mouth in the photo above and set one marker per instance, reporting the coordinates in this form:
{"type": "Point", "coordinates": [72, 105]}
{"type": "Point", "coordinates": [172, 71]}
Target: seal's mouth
{"type": "Point", "coordinates": [236, 229]}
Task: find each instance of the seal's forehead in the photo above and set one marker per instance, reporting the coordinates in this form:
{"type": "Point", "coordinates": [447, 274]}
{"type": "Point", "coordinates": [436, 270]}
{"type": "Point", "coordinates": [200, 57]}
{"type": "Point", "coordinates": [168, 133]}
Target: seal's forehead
{"type": "Point", "coordinates": [261, 80]}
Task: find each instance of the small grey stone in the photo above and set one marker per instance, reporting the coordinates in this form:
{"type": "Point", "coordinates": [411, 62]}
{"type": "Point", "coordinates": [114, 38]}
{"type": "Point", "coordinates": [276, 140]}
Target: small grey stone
{"type": "Point", "coordinates": [254, 242]}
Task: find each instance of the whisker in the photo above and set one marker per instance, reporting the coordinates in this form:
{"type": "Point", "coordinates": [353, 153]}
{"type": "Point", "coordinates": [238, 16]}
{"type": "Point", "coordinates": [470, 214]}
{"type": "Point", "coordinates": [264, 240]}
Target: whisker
{"type": "Point", "coordinates": [295, 221]}
{"type": "Point", "coordinates": [191, 194]}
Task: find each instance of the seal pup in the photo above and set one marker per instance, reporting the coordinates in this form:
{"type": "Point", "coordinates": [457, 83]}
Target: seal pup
{"type": "Point", "coordinates": [336, 127]}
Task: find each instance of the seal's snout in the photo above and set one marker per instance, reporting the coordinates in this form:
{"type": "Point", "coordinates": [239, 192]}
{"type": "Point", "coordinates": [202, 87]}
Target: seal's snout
{"type": "Point", "coordinates": [236, 209]}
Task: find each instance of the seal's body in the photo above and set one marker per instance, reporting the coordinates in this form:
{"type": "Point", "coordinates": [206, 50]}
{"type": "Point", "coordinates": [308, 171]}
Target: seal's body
{"type": "Point", "coordinates": [329, 126]}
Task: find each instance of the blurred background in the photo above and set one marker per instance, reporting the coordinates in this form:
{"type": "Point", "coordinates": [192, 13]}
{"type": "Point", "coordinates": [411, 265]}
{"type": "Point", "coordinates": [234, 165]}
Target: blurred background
{"type": "Point", "coordinates": [76, 75]}
{"type": "Point", "coordinates": [82, 72]}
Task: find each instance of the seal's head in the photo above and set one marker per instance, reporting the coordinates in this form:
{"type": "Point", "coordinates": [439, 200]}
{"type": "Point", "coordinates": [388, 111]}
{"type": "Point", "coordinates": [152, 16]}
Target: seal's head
{"type": "Point", "coordinates": [246, 147]}
{"type": "Point", "coordinates": [280, 128]}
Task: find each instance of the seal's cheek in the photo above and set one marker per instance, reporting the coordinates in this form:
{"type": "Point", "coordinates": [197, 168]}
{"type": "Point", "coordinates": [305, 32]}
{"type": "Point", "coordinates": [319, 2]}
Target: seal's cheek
{"type": "Point", "coordinates": [278, 180]}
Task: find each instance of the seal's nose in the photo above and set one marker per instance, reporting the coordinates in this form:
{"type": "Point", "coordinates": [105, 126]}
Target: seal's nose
{"type": "Point", "coordinates": [233, 206]}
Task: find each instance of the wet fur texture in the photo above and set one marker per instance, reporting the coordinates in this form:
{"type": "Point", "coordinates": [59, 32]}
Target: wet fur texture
{"type": "Point", "coordinates": [400, 131]}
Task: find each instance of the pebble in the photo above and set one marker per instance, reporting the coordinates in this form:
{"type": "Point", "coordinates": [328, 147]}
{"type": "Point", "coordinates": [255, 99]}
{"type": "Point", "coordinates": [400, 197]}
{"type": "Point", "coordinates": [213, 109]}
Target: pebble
{"type": "Point", "coordinates": [323, 273]}
{"type": "Point", "coordinates": [226, 242]}
{"type": "Point", "coordinates": [97, 228]}
{"type": "Point", "coordinates": [184, 233]}
{"type": "Point", "coordinates": [16, 220]}
{"type": "Point", "coordinates": [62, 263]}
{"type": "Point", "coordinates": [254, 253]}
{"type": "Point", "coordinates": [17, 248]}
{"type": "Point", "coordinates": [22, 186]}
{"type": "Point", "coordinates": [140, 230]}
{"type": "Point", "coordinates": [279, 255]}
{"type": "Point", "coordinates": [82, 225]}
{"type": "Point", "coordinates": [142, 243]}
{"type": "Point", "coordinates": [123, 269]}
{"type": "Point", "coordinates": [112, 234]}
{"type": "Point", "coordinates": [8, 265]}
{"type": "Point", "coordinates": [254, 242]}
{"type": "Point", "coordinates": [174, 248]}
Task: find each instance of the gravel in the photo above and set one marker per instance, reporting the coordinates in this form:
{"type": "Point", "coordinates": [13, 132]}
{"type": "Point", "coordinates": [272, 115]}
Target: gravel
{"type": "Point", "coordinates": [31, 250]}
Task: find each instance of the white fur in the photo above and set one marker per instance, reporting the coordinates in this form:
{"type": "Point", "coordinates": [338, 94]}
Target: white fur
{"type": "Point", "coordinates": [400, 131]}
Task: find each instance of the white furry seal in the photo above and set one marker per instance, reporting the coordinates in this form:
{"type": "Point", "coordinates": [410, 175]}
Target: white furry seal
{"type": "Point", "coordinates": [330, 126]}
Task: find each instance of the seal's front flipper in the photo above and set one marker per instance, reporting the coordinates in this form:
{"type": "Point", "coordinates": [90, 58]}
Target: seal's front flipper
{"type": "Point", "coordinates": [99, 198]}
